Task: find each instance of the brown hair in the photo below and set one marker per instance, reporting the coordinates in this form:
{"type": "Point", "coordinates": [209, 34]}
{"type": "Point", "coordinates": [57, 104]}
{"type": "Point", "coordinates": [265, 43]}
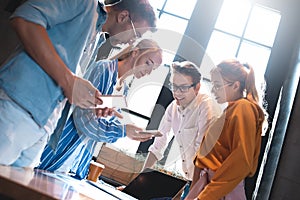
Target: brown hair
{"type": "Point", "coordinates": [232, 70]}
{"type": "Point", "coordinates": [139, 10]}
{"type": "Point", "coordinates": [187, 68]}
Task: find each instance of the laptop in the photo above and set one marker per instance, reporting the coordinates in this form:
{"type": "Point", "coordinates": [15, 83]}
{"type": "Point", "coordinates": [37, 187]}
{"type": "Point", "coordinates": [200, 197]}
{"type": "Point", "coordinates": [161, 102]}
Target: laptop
{"type": "Point", "coordinates": [152, 184]}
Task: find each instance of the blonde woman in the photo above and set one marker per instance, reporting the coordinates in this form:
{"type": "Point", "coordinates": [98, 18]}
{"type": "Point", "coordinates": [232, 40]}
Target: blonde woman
{"type": "Point", "coordinates": [83, 129]}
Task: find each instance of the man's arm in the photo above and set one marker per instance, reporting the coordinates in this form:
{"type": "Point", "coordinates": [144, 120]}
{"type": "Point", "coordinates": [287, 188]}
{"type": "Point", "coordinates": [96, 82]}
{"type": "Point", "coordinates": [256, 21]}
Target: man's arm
{"type": "Point", "coordinates": [78, 91]}
{"type": "Point", "coordinates": [159, 145]}
{"type": "Point", "coordinates": [150, 160]}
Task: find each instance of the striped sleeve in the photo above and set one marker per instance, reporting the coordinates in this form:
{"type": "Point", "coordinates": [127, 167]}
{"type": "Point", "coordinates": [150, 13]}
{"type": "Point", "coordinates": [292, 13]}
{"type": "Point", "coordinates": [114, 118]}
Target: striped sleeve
{"type": "Point", "coordinates": [103, 75]}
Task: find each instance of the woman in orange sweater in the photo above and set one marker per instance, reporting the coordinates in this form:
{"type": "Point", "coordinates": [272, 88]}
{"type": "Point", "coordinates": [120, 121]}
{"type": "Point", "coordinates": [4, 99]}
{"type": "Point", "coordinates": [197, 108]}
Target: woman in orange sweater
{"type": "Point", "coordinates": [231, 146]}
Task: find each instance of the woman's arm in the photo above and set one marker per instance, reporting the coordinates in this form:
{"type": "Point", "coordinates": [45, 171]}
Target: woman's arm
{"type": "Point", "coordinates": [243, 139]}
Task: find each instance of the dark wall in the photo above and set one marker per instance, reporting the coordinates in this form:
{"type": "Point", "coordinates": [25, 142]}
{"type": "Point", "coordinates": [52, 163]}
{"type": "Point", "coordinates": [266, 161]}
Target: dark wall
{"type": "Point", "coordinates": [280, 179]}
{"type": "Point", "coordinates": [287, 178]}
{"type": "Point", "coordinates": [282, 78]}
{"type": "Point", "coordinates": [8, 38]}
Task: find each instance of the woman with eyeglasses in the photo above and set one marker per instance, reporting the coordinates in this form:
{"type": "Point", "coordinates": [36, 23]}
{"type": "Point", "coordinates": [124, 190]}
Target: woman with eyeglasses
{"type": "Point", "coordinates": [186, 118]}
{"type": "Point", "coordinates": [230, 148]}
{"type": "Point", "coordinates": [83, 129]}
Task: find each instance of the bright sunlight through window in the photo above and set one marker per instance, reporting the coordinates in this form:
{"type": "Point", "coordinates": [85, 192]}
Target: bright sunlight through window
{"type": "Point", "coordinates": [245, 31]}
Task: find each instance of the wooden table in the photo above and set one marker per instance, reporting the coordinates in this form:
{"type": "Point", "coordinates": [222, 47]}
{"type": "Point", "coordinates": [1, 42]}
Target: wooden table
{"type": "Point", "coordinates": [23, 183]}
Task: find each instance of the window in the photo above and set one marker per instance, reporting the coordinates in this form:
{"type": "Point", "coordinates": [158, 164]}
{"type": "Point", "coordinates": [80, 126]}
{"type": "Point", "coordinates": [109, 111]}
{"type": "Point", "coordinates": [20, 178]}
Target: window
{"type": "Point", "coordinates": [244, 30]}
{"type": "Point", "coordinates": [169, 13]}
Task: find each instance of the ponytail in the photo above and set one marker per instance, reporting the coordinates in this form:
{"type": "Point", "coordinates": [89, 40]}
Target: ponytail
{"type": "Point", "coordinates": [250, 88]}
{"type": "Point", "coordinates": [122, 54]}
{"type": "Point", "coordinates": [231, 71]}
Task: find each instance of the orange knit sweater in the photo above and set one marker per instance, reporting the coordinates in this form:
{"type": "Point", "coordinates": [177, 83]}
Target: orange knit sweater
{"type": "Point", "coordinates": [231, 148]}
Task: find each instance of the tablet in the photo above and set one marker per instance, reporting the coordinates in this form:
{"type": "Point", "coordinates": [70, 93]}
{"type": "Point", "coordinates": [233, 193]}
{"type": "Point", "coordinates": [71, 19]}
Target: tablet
{"type": "Point", "coordinates": [113, 101]}
{"type": "Point", "coordinates": [154, 133]}
{"type": "Point", "coordinates": [152, 184]}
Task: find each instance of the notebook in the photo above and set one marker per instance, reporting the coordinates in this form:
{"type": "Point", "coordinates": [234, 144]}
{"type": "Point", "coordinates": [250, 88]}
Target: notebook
{"type": "Point", "coordinates": [151, 184]}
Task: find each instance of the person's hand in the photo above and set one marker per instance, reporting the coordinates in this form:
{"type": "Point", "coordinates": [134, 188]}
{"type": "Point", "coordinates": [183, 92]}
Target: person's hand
{"type": "Point", "coordinates": [120, 188]}
{"type": "Point", "coordinates": [104, 112]}
{"type": "Point", "coordinates": [79, 92]}
{"type": "Point", "coordinates": [82, 93]}
{"type": "Point", "coordinates": [132, 132]}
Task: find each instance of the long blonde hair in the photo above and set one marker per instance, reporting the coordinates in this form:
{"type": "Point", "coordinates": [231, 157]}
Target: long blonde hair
{"type": "Point", "coordinates": [143, 45]}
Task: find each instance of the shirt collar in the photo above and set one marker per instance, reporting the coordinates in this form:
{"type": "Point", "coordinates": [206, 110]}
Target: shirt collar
{"type": "Point", "coordinates": [190, 106]}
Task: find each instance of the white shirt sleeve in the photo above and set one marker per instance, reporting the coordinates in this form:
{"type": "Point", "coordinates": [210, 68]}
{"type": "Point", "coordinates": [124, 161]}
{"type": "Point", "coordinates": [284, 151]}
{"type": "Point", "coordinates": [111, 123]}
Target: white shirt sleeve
{"type": "Point", "coordinates": [160, 143]}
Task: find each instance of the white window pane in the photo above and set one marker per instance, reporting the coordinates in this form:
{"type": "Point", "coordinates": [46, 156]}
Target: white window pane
{"type": "Point", "coordinates": [168, 57]}
{"type": "Point", "coordinates": [141, 98]}
{"type": "Point", "coordinates": [233, 16]}
{"type": "Point", "coordinates": [144, 92]}
{"type": "Point", "coordinates": [221, 46]}
{"type": "Point", "coordinates": [180, 8]}
{"type": "Point", "coordinates": [168, 40]}
{"type": "Point", "coordinates": [207, 64]}
{"type": "Point", "coordinates": [157, 4]}
{"type": "Point", "coordinates": [263, 25]}
{"type": "Point", "coordinates": [172, 23]}
{"type": "Point", "coordinates": [257, 56]}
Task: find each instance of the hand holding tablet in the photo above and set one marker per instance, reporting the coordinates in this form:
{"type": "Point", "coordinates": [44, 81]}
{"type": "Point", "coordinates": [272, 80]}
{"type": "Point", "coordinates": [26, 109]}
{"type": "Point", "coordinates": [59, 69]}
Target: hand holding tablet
{"type": "Point", "coordinates": [113, 101]}
{"type": "Point", "coordinates": [154, 133]}
{"type": "Point", "coordinates": [110, 104]}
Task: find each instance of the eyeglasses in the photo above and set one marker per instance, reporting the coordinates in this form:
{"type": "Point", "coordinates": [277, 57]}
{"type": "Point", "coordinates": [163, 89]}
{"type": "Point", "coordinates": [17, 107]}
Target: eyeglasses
{"type": "Point", "coordinates": [181, 88]}
{"type": "Point", "coordinates": [218, 87]}
{"type": "Point", "coordinates": [136, 35]}
{"type": "Point", "coordinates": [107, 3]}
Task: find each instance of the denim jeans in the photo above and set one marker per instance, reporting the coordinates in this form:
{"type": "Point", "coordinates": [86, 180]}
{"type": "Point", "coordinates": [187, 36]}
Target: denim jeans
{"type": "Point", "coordinates": [21, 139]}
{"type": "Point", "coordinates": [185, 190]}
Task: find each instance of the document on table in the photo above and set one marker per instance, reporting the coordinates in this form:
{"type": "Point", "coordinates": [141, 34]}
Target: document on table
{"type": "Point", "coordinates": [83, 187]}
{"type": "Point", "coordinates": [111, 190]}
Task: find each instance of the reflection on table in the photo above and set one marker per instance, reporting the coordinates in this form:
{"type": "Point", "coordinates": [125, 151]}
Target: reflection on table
{"type": "Point", "coordinates": [24, 183]}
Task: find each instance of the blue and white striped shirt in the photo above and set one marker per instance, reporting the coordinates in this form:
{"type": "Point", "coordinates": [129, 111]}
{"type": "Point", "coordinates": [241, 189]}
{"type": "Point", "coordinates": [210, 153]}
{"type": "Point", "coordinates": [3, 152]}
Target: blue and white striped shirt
{"type": "Point", "coordinates": [83, 129]}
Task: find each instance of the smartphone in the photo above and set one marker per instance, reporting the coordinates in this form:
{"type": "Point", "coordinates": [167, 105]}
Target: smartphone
{"type": "Point", "coordinates": [154, 133]}
{"type": "Point", "coordinates": [113, 101]}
